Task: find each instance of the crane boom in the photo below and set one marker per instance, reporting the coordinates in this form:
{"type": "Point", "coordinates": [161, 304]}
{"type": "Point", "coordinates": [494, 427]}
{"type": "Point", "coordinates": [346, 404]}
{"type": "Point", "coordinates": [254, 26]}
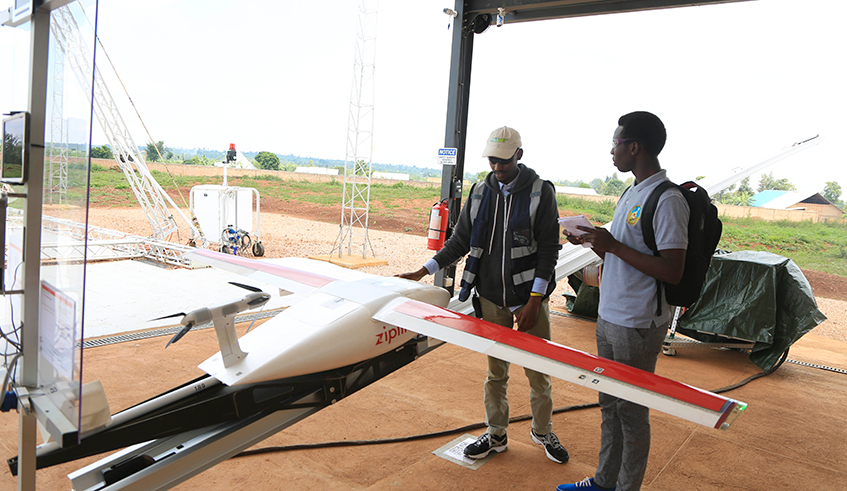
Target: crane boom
{"type": "Point", "coordinates": [150, 195]}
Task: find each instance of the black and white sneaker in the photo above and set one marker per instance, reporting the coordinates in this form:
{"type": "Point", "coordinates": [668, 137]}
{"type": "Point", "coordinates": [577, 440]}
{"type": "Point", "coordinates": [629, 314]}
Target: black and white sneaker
{"type": "Point", "coordinates": [554, 450]}
{"type": "Point", "coordinates": [486, 444]}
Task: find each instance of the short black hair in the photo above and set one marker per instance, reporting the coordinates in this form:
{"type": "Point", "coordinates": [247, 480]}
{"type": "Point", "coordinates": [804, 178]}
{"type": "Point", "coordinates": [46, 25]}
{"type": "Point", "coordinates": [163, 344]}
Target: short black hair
{"type": "Point", "coordinates": [646, 128]}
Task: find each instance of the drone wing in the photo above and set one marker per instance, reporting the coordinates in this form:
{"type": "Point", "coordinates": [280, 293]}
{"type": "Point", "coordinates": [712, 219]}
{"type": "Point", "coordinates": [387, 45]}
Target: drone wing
{"type": "Point", "coordinates": [566, 363]}
{"type": "Point", "coordinates": [292, 277]}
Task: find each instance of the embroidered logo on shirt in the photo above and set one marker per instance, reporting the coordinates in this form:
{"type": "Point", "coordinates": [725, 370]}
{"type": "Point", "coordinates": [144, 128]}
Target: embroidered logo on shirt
{"type": "Point", "coordinates": [634, 215]}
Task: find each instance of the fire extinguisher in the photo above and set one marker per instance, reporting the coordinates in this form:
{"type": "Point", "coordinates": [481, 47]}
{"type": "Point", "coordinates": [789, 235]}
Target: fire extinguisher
{"type": "Point", "coordinates": [437, 226]}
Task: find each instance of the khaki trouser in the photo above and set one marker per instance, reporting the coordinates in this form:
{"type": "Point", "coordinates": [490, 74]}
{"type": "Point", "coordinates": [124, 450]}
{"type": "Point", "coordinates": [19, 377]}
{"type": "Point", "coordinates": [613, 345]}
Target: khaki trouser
{"type": "Point", "coordinates": [541, 390]}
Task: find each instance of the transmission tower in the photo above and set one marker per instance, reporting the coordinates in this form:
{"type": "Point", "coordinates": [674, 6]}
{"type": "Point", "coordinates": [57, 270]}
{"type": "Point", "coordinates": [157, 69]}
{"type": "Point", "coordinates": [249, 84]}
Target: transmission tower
{"type": "Point", "coordinates": [56, 185]}
{"type": "Point", "coordinates": [357, 162]}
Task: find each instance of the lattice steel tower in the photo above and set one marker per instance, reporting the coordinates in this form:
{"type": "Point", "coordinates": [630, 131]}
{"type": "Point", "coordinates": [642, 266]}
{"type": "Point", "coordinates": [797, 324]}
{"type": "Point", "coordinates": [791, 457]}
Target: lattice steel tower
{"type": "Point", "coordinates": [56, 180]}
{"type": "Point", "coordinates": [357, 162]}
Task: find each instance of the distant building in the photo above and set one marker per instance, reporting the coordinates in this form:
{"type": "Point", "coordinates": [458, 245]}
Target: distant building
{"type": "Point", "coordinates": [575, 190]}
{"type": "Point", "coordinates": [391, 175]}
{"type": "Point", "coordinates": [796, 200]}
{"type": "Point", "coordinates": [317, 170]}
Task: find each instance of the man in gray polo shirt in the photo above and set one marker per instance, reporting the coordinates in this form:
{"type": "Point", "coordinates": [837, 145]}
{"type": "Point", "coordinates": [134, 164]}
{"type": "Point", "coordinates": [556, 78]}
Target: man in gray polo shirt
{"type": "Point", "coordinates": [632, 316]}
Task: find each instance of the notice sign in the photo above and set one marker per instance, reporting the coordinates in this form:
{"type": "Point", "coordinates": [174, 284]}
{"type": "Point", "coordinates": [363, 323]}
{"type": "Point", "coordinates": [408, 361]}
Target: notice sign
{"type": "Point", "coordinates": [56, 329]}
{"type": "Point", "coordinates": [447, 156]}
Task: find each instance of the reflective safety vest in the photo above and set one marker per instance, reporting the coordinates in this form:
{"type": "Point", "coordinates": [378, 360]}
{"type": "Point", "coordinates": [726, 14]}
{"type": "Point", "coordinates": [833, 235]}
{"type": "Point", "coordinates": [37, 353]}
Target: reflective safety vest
{"type": "Point", "coordinates": [521, 208]}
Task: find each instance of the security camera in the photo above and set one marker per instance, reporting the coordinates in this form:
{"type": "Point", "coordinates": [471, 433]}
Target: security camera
{"type": "Point", "coordinates": [501, 14]}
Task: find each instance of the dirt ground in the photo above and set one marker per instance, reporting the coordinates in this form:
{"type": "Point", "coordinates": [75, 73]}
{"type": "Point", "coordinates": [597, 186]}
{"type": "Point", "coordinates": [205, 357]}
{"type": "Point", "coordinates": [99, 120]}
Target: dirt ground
{"type": "Point", "coordinates": [791, 433]}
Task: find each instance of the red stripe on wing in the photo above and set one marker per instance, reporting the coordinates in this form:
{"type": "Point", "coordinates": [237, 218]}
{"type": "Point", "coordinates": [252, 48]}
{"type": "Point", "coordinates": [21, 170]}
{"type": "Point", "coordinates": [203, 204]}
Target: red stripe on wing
{"type": "Point", "coordinates": [304, 277]}
{"type": "Point", "coordinates": [564, 354]}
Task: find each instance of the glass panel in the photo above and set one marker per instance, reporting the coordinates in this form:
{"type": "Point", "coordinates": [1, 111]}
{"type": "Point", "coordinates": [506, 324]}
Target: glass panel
{"type": "Point", "coordinates": [14, 65]}
{"type": "Point", "coordinates": [67, 128]}
{"type": "Point", "coordinates": [68, 125]}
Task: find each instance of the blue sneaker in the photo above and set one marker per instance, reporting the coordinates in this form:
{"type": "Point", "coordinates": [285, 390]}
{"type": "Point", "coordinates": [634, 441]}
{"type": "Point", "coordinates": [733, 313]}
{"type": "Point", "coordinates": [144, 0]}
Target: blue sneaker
{"type": "Point", "coordinates": [586, 484]}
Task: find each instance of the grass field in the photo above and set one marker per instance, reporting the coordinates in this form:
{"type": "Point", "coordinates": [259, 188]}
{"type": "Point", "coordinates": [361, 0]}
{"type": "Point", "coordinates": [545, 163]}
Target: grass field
{"type": "Point", "coordinates": [815, 246]}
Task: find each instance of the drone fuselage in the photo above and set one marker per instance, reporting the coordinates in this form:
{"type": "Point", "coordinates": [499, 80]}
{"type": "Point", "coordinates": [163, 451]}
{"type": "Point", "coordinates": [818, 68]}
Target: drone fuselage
{"type": "Point", "coordinates": [329, 328]}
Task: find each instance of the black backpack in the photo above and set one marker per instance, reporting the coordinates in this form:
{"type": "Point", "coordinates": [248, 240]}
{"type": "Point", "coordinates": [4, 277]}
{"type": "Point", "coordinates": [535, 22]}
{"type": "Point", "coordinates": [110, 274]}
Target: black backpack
{"type": "Point", "coordinates": [704, 232]}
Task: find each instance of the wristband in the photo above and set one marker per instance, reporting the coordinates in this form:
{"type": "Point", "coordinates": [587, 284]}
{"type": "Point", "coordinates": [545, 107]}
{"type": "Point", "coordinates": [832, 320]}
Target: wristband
{"type": "Point", "coordinates": [535, 294]}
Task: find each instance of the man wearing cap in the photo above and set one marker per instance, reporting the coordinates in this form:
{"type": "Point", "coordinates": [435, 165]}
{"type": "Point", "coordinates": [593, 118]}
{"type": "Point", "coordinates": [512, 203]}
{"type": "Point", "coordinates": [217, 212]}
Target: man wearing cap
{"type": "Point", "coordinates": [509, 229]}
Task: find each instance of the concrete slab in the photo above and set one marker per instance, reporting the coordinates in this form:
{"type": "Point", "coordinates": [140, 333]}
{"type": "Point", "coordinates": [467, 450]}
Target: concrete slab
{"type": "Point", "coordinates": [791, 435]}
{"type": "Point", "coordinates": [123, 296]}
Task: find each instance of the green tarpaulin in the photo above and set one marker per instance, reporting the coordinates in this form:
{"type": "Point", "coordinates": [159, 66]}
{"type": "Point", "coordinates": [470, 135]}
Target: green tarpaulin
{"type": "Point", "coordinates": [748, 295]}
{"type": "Point", "coordinates": [587, 297]}
{"type": "Point", "coordinates": [755, 296]}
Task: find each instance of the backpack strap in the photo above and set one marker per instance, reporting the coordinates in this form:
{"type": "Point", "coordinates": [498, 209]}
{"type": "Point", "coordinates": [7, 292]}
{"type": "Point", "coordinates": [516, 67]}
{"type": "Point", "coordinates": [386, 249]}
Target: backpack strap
{"type": "Point", "coordinates": [649, 211]}
{"type": "Point", "coordinates": [534, 200]}
{"type": "Point", "coordinates": [647, 214]}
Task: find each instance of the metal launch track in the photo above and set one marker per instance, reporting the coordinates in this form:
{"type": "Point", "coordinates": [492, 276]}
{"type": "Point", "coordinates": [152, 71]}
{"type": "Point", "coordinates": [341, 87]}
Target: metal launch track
{"type": "Point", "coordinates": [202, 423]}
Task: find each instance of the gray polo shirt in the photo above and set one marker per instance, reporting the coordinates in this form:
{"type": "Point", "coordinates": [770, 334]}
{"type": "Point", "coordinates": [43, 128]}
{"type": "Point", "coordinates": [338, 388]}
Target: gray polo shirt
{"type": "Point", "coordinates": [627, 296]}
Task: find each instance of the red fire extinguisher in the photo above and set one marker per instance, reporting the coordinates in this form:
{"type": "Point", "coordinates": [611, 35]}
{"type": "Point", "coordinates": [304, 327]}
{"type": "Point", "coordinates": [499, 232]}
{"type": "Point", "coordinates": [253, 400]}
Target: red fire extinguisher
{"type": "Point", "coordinates": [437, 226]}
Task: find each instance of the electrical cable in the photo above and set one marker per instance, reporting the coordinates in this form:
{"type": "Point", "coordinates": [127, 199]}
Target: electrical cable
{"type": "Point", "coordinates": [13, 343]}
{"type": "Point", "coordinates": [353, 443]}
{"type": "Point", "coordinates": [9, 368]}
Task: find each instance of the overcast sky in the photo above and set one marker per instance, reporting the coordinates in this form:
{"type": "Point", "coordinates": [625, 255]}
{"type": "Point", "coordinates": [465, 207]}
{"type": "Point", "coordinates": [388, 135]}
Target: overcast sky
{"type": "Point", "coordinates": [734, 83]}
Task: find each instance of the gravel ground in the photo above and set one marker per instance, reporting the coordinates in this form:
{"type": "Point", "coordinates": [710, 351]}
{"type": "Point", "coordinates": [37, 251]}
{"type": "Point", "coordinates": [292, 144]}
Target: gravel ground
{"type": "Point", "coordinates": [284, 236]}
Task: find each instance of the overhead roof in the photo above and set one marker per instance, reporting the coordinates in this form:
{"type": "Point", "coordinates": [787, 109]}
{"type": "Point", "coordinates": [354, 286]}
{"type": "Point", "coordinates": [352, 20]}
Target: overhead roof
{"type": "Point", "coordinates": [781, 200]}
{"type": "Point", "coordinates": [474, 17]}
{"type": "Point", "coordinates": [528, 10]}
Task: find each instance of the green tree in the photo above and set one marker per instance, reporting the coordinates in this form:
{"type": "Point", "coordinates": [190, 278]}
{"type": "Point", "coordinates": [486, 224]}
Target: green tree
{"type": "Point", "coordinates": [481, 176]}
{"type": "Point", "coordinates": [101, 152]}
{"type": "Point", "coordinates": [724, 194]}
{"type": "Point", "coordinates": [832, 191]}
{"type": "Point", "coordinates": [744, 187]}
{"type": "Point", "coordinates": [584, 185]}
{"type": "Point", "coordinates": [613, 186]}
{"type": "Point", "coordinates": [768, 182]}
{"type": "Point", "coordinates": [12, 150]}
{"type": "Point", "coordinates": [267, 160]}
{"type": "Point", "coordinates": [596, 184]}
{"type": "Point", "coordinates": [153, 154]}
{"type": "Point", "coordinates": [740, 199]}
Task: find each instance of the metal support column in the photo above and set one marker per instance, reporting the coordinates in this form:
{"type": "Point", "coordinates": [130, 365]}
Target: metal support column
{"type": "Point", "coordinates": [455, 132]}
{"type": "Point", "coordinates": [39, 48]}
